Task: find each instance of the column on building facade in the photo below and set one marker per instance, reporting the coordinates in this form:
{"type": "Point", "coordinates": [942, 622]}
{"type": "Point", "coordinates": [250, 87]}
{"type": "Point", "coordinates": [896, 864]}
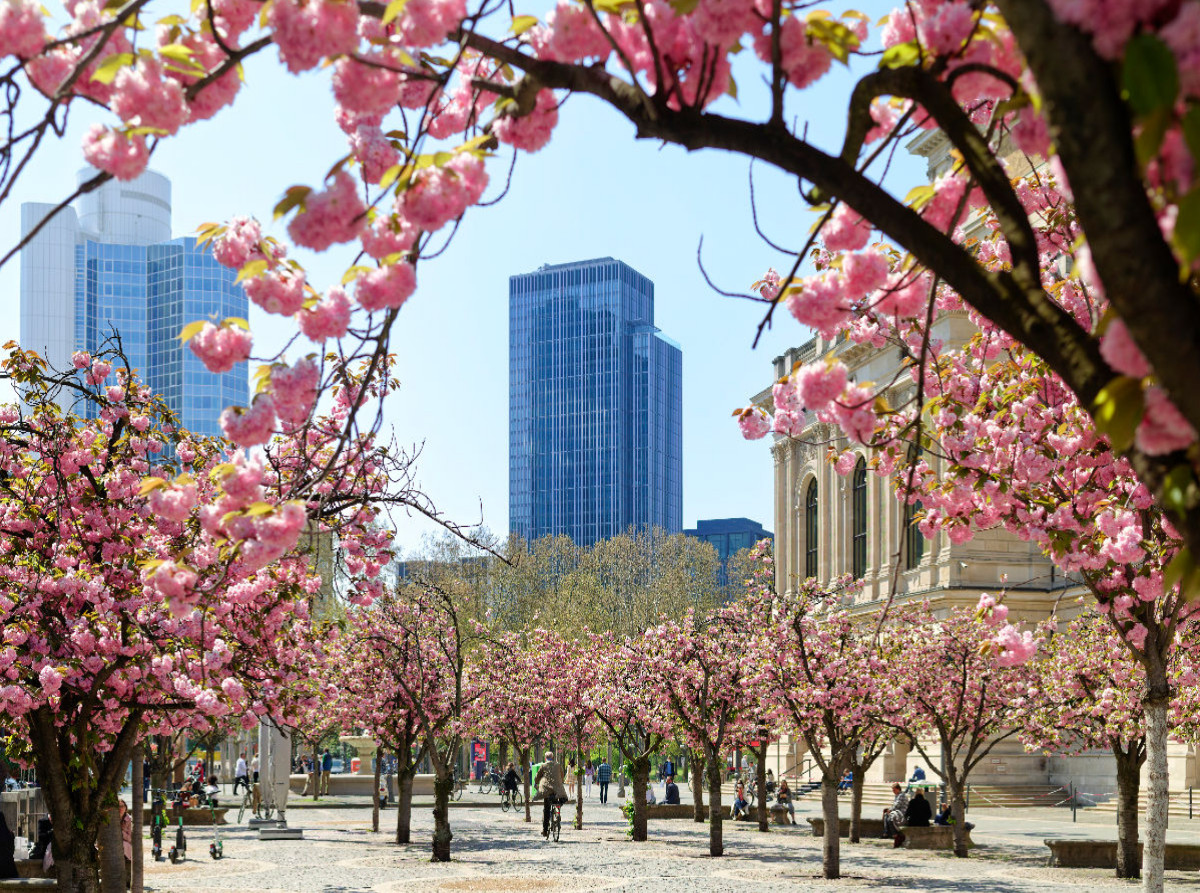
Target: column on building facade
{"type": "Point", "coordinates": [827, 494]}
{"type": "Point", "coordinates": [782, 452]}
{"type": "Point", "coordinates": [793, 509]}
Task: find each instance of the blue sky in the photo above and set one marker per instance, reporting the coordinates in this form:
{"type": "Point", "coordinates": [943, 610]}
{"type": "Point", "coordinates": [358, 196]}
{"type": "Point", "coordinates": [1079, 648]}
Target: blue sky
{"type": "Point", "coordinates": [594, 191]}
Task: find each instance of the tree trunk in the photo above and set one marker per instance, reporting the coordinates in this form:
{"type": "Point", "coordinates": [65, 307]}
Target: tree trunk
{"type": "Point", "coordinates": [761, 784]}
{"type": "Point", "coordinates": [579, 794]}
{"type": "Point", "coordinates": [856, 794]}
{"type": "Point", "coordinates": [137, 879]}
{"type": "Point", "coordinates": [1154, 851]}
{"type": "Point", "coordinates": [641, 781]}
{"type": "Point", "coordinates": [1129, 765]}
{"type": "Point", "coordinates": [716, 830]}
{"type": "Point", "coordinates": [405, 772]}
{"type": "Point", "coordinates": [526, 771]}
{"type": "Point", "coordinates": [697, 763]}
{"type": "Point", "coordinates": [443, 784]}
{"type": "Point", "coordinates": [112, 853]}
{"type": "Point", "coordinates": [375, 794]}
{"type": "Point", "coordinates": [958, 809]}
{"type": "Point", "coordinates": [831, 855]}
{"type": "Point", "coordinates": [316, 770]}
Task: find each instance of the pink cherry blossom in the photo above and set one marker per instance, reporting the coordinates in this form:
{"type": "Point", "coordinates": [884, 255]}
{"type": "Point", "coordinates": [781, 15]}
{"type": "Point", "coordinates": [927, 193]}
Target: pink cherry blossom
{"type": "Point", "coordinates": [125, 157]}
{"type": "Point", "coordinates": [238, 244]}
{"type": "Point", "coordinates": [387, 287]}
{"type": "Point", "coordinates": [1163, 429]}
{"type": "Point", "coordinates": [306, 32]}
{"type": "Point", "coordinates": [22, 28]}
{"type": "Point", "coordinates": [280, 291]}
{"type": "Point", "coordinates": [755, 423]}
{"type": "Point", "coordinates": [221, 348]}
{"type": "Point", "coordinates": [1121, 353]}
{"type": "Point", "coordinates": [327, 318]}
{"type": "Point", "coordinates": [250, 427]}
{"type": "Point", "coordinates": [331, 216]}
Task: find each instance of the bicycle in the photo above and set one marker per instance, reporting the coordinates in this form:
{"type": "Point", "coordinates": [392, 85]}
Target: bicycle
{"type": "Point", "coordinates": [489, 782]}
{"type": "Point", "coordinates": [511, 800]}
{"type": "Point", "coordinates": [460, 785]}
{"type": "Point", "coordinates": [255, 806]}
{"type": "Point", "coordinates": [556, 818]}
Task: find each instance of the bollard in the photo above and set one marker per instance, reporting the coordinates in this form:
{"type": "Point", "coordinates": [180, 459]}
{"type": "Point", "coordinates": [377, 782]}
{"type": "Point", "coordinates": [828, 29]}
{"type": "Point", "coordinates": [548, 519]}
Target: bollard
{"type": "Point", "coordinates": [1074, 803]}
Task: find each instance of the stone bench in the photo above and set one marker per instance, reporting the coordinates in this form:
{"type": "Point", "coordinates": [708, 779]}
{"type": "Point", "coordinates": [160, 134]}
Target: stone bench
{"type": "Point", "coordinates": [192, 816]}
{"type": "Point", "coordinates": [866, 827]}
{"type": "Point", "coordinates": [780, 814]}
{"type": "Point", "coordinates": [21, 884]}
{"type": "Point", "coordinates": [935, 837]}
{"type": "Point", "coordinates": [30, 868]}
{"type": "Point", "coordinates": [671, 811]}
{"type": "Point", "coordinates": [1103, 854]}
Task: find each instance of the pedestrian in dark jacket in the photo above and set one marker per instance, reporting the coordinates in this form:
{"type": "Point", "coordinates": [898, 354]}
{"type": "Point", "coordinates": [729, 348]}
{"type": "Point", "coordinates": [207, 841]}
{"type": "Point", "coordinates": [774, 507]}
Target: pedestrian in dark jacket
{"type": "Point", "coordinates": [8, 849]}
{"type": "Point", "coordinates": [603, 777]}
{"type": "Point", "coordinates": [919, 812]}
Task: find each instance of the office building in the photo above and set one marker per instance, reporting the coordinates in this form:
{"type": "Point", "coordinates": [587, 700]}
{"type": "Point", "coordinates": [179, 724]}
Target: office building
{"type": "Point", "coordinates": [109, 263]}
{"type": "Point", "coordinates": [595, 405]}
{"type": "Point", "coordinates": [729, 536]}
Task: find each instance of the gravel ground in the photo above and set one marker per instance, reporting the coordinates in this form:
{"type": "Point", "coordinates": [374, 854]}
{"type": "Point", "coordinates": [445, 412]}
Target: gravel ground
{"type": "Point", "coordinates": [494, 851]}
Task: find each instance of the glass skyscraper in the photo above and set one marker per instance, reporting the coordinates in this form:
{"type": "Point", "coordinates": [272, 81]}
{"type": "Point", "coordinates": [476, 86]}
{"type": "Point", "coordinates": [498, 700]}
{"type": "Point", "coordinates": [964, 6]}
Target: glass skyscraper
{"type": "Point", "coordinates": [595, 405]}
{"type": "Point", "coordinates": [111, 264]}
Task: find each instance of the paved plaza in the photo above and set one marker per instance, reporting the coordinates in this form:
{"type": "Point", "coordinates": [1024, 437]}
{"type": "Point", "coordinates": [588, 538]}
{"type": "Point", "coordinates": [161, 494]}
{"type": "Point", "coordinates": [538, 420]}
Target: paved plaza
{"type": "Point", "coordinates": [495, 851]}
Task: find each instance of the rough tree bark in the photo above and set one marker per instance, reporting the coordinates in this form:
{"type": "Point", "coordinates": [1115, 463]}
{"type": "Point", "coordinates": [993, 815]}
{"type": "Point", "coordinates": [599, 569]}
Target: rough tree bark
{"type": "Point", "coordinates": [443, 784]}
{"type": "Point", "coordinates": [716, 835]}
{"type": "Point", "coordinates": [698, 762]}
{"type": "Point", "coordinates": [761, 784]}
{"type": "Point", "coordinates": [856, 795]}
{"type": "Point", "coordinates": [831, 853]}
{"type": "Point", "coordinates": [958, 809]}
{"type": "Point", "coordinates": [1129, 782]}
{"type": "Point", "coordinates": [137, 878]}
{"type": "Point", "coordinates": [375, 791]}
{"type": "Point", "coordinates": [641, 781]}
{"type": "Point", "coordinates": [1154, 851]}
{"type": "Point", "coordinates": [526, 772]}
{"type": "Point", "coordinates": [112, 853]}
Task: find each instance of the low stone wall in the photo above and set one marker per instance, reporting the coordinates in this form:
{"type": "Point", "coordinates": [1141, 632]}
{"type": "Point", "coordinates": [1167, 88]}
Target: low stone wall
{"type": "Point", "coordinates": [935, 837]}
{"type": "Point", "coordinates": [30, 868]}
{"type": "Point", "coordinates": [1103, 854]}
{"type": "Point", "coordinates": [867, 827]}
{"type": "Point", "coordinates": [672, 811]}
{"type": "Point", "coordinates": [360, 785]}
{"type": "Point", "coordinates": [192, 816]}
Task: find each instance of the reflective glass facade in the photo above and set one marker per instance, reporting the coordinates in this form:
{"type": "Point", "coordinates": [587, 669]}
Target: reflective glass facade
{"type": "Point", "coordinates": [148, 293]}
{"type": "Point", "coordinates": [729, 536]}
{"type": "Point", "coordinates": [595, 405]}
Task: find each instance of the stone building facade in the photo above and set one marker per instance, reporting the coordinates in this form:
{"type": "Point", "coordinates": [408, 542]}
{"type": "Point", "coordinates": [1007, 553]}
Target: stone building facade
{"type": "Point", "coordinates": [827, 525]}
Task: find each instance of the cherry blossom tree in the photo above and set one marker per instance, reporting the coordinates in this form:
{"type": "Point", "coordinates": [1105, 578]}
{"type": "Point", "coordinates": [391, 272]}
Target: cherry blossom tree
{"type": "Point", "coordinates": [423, 628]}
{"type": "Point", "coordinates": [626, 694]}
{"type": "Point", "coordinates": [1087, 695]}
{"type": "Point", "coordinates": [945, 684]}
{"type": "Point", "coordinates": [516, 684]}
{"type": "Point", "coordinates": [819, 666]}
{"type": "Point", "coordinates": [708, 691]}
{"type": "Point", "coordinates": [574, 664]}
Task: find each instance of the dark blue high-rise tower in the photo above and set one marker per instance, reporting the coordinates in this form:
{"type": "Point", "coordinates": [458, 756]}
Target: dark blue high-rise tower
{"type": "Point", "coordinates": [595, 405]}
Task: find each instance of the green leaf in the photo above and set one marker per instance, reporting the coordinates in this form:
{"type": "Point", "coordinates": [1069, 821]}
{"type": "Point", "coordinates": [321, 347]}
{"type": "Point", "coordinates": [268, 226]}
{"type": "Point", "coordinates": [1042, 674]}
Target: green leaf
{"type": "Point", "coordinates": [1191, 130]}
{"type": "Point", "coordinates": [107, 70]}
{"type": "Point", "coordinates": [1118, 409]}
{"type": "Point", "coordinates": [521, 24]}
{"type": "Point", "coordinates": [293, 198]}
{"type": "Point", "coordinates": [1149, 74]}
{"type": "Point", "coordinates": [252, 269]}
{"type": "Point", "coordinates": [684, 7]}
{"type": "Point", "coordinates": [1187, 229]}
{"type": "Point", "coordinates": [191, 330]}
{"type": "Point", "coordinates": [235, 321]}
{"type": "Point", "coordinates": [392, 10]}
{"type": "Point", "coordinates": [1150, 139]}
{"type": "Point", "coordinates": [149, 485]}
{"type": "Point", "coordinates": [1184, 573]}
{"type": "Point", "coordinates": [1179, 486]}
{"type": "Point", "coordinates": [732, 89]}
{"type": "Point", "coordinates": [177, 51]}
{"type": "Point", "coordinates": [900, 55]}
{"type": "Point", "coordinates": [259, 508]}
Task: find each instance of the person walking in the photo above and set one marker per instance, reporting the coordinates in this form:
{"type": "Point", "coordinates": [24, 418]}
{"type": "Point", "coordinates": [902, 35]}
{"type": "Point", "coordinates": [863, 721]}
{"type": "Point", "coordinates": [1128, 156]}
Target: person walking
{"type": "Point", "coordinates": [603, 777]}
{"type": "Point", "coordinates": [571, 777]}
{"type": "Point", "coordinates": [241, 775]}
{"type": "Point", "coordinates": [326, 771]}
{"type": "Point", "coordinates": [254, 769]}
{"type": "Point", "coordinates": [589, 775]}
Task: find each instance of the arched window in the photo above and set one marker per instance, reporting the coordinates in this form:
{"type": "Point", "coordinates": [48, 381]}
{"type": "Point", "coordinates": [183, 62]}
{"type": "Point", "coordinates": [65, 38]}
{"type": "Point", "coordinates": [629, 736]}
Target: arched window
{"type": "Point", "coordinates": [810, 530]}
{"type": "Point", "coordinates": [914, 540]}
{"type": "Point", "coordinates": [858, 513]}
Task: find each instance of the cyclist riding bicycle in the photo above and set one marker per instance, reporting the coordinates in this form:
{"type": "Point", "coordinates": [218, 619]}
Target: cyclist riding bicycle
{"type": "Point", "coordinates": [511, 781]}
{"type": "Point", "coordinates": [549, 784]}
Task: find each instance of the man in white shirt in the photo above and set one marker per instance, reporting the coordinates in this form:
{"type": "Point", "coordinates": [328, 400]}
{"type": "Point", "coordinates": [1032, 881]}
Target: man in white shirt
{"type": "Point", "coordinates": [240, 775]}
{"type": "Point", "coordinates": [254, 768]}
